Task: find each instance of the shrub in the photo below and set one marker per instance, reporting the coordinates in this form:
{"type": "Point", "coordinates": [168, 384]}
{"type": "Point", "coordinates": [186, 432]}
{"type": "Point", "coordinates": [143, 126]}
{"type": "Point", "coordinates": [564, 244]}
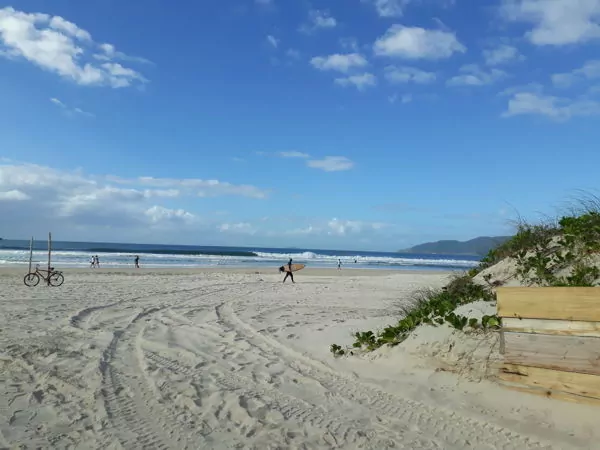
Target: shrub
{"type": "Point", "coordinates": [336, 350]}
{"type": "Point", "coordinates": [540, 251]}
{"type": "Point", "coordinates": [526, 238]}
{"type": "Point", "coordinates": [578, 238]}
{"type": "Point", "coordinates": [432, 307]}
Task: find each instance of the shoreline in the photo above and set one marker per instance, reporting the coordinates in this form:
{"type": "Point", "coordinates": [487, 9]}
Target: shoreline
{"type": "Point", "coordinates": [252, 270]}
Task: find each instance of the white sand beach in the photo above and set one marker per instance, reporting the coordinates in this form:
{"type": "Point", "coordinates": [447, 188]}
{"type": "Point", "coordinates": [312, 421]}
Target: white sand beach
{"type": "Point", "coordinates": [224, 359]}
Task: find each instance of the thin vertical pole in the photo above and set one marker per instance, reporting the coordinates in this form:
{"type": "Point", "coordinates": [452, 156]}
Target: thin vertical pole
{"type": "Point", "coordinates": [49, 255]}
{"type": "Point", "coordinates": [30, 253]}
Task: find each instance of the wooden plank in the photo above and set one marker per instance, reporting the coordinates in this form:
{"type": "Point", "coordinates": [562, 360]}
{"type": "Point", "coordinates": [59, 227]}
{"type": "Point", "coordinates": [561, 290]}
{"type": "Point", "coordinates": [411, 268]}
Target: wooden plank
{"type": "Point", "coordinates": [566, 353]}
{"type": "Point", "coordinates": [570, 303]}
{"type": "Point", "coordinates": [579, 387]}
{"type": "Point", "coordinates": [558, 327]}
{"type": "Point", "coordinates": [550, 394]}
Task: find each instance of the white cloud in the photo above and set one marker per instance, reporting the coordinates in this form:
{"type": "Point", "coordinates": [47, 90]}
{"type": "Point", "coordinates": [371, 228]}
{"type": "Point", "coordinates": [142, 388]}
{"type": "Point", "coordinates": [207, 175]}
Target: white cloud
{"type": "Point", "coordinates": [241, 228]}
{"type": "Point", "coordinates": [196, 186]}
{"type": "Point", "coordinates": [57, 102]}
{"type": "Point", "coordinates": [535, 88]}
{"type": "Point", "coordinates": [292, 53]}
{"type": "Point", "coordinates": [341, 227]}
{"type": "Point", "coordinates": [285, 154]}
{"type": "Point", "coordinates": [502, 54]}
{"type": "Point", "coordinates": [331, 228]}
{"type": "Point", "coordinates": [318, 19]}
{"type": "Point", "coordinates": [273, 41]}
{"type": "Point", "coordinates": [108, 52]}
{"type": "Point", "coordinates": [389, 8]}
{"type": "Point", "coordinates": [589, 71]}
{"type": "Point", "coordinates": [61, 47]}
{"type": "Point", "coordinates": [327, 164]}
{"type": "Point", "coordinates": [331, 163]}
{"type": "Point", "coordinates": [405, 98]}
{"type": "Point", "coordinates": [302, 231]}
{"type": "Point", "coordinates": [361, 82]}
{"type": "Point", "coordinates": [322, 19]}
{"type": "Point", "coordinates": [164, 193]}
{"type": "Point", "coordinates": [193, 186]}
{"type": "Point", "coordinates": [556, 22]}
{"type": "Point", "coordinates": [349, 43]}
{"type": "Point", "coordinates": [557, 108]}
{"type": "Point", "coordinates": [72, 197]}
{"type": "Point", "coordinates": [473, 75]}
{"type": "Point", "coordinates": [345, 227]}
{"type": "Point", "coordinates": [294, 154]}
{"type": "Point", "coordinates": [339, 62]}
{"type": "Point", "coordinates": [70, 111]}
{"type": "Point", "coordinates": [33, 195]}
{"type": "Point", "coordinates": [408, 74]}
{"type": "Point", "coordinates": [417, 43]}
{"type": "Point", "coordinates": [13, 195]}
{"type": "Point", "coordinates": [106, 201]}
{"type": "Point", "coordinates": [158, 214]}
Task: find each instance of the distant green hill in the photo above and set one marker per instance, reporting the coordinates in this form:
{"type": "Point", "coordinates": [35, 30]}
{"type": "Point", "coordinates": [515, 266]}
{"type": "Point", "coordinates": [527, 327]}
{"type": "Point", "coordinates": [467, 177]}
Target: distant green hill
{"type": "Point", "coordinates": [479, 246]}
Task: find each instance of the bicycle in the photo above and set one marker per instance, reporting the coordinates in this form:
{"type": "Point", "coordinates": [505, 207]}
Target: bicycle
{"type": "Point", "coordinates": [53, 277]}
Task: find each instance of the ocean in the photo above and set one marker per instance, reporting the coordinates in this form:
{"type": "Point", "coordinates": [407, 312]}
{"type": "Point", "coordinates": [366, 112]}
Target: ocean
{"type": "Point", "coordinates": [78, 254]}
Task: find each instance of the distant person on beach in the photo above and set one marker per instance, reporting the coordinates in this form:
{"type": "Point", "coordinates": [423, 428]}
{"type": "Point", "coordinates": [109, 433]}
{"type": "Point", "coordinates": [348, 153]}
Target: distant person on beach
{"type": "Point", "coordinates": [289, 273]}
{"type": "Point", "coordinates": [137, 262]}
{"type": "Point", "coordinates": [97, 261]}
{"type": "Point", "coordinates": [339, 264]}
{"type": "Point", "coordinates": [93, 262]}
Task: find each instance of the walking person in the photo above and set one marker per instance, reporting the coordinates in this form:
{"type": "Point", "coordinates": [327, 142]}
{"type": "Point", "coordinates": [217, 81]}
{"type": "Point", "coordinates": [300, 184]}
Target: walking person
{"type": "Point", "coordinates": [97, 261]}
{"type": "Point", "coordinates": [339, 264]}
{"type": "Point", "coordinates": [137, 262]}
{"type": "Point", "coordinates": [289, 272]}
{"type": "Point", "coordinates": [92, 262]}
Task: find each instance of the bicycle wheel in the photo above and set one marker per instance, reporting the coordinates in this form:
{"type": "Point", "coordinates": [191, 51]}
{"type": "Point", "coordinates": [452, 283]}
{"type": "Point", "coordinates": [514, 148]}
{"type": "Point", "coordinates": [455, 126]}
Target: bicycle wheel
{"type": "Point", "coordinates": [31, 279]}
{"type": "Point", "coordinates": [56, 279]}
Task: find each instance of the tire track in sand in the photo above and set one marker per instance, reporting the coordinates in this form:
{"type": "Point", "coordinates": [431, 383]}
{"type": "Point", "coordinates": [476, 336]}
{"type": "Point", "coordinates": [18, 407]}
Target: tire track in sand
{"type": "Point", "coordinates": [128, 409]}
{"type": "Point", "coordinates": [83, 318]}
{"type": "Point", "coordinates": [138, 420]}
{"type": "Point", "coordinates": [451, 430]}
{"type": "Point", "coordinates": [338, 431]}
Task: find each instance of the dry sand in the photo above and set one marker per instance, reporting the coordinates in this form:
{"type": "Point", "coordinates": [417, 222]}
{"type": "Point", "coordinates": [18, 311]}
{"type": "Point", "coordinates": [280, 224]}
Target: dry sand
{"type": "Point", "coordinates": [235, 359]}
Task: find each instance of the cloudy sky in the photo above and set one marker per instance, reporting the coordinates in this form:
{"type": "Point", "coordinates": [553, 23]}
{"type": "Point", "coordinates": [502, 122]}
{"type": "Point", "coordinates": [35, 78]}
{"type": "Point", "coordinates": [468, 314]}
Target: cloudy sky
{"type": "Point", "coordinates": [358, 124]}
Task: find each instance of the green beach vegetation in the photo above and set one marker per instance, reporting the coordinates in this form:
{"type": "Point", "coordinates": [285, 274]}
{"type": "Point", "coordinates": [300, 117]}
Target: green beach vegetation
{"type": "Point", "coordinates": [558, 252]}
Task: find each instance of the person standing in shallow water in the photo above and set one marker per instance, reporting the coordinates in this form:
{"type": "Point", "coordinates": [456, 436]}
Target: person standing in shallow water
{"type": "Point", "coordinates": [289, 273]}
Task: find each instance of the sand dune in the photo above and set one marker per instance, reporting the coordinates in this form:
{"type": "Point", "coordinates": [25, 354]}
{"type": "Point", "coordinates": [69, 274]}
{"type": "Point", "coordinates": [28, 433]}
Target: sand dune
{"type": "Point", "coordinates": [236, 359]}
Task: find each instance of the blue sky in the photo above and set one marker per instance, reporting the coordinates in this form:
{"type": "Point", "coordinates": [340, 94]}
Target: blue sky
{"type": "Point", "coordinates": [359, 124]}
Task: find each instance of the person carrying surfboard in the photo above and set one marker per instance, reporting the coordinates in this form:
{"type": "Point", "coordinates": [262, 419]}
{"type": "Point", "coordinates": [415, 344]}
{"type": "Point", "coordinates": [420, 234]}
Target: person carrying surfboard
{"type": "Point", "coordinates": [289, 271]}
